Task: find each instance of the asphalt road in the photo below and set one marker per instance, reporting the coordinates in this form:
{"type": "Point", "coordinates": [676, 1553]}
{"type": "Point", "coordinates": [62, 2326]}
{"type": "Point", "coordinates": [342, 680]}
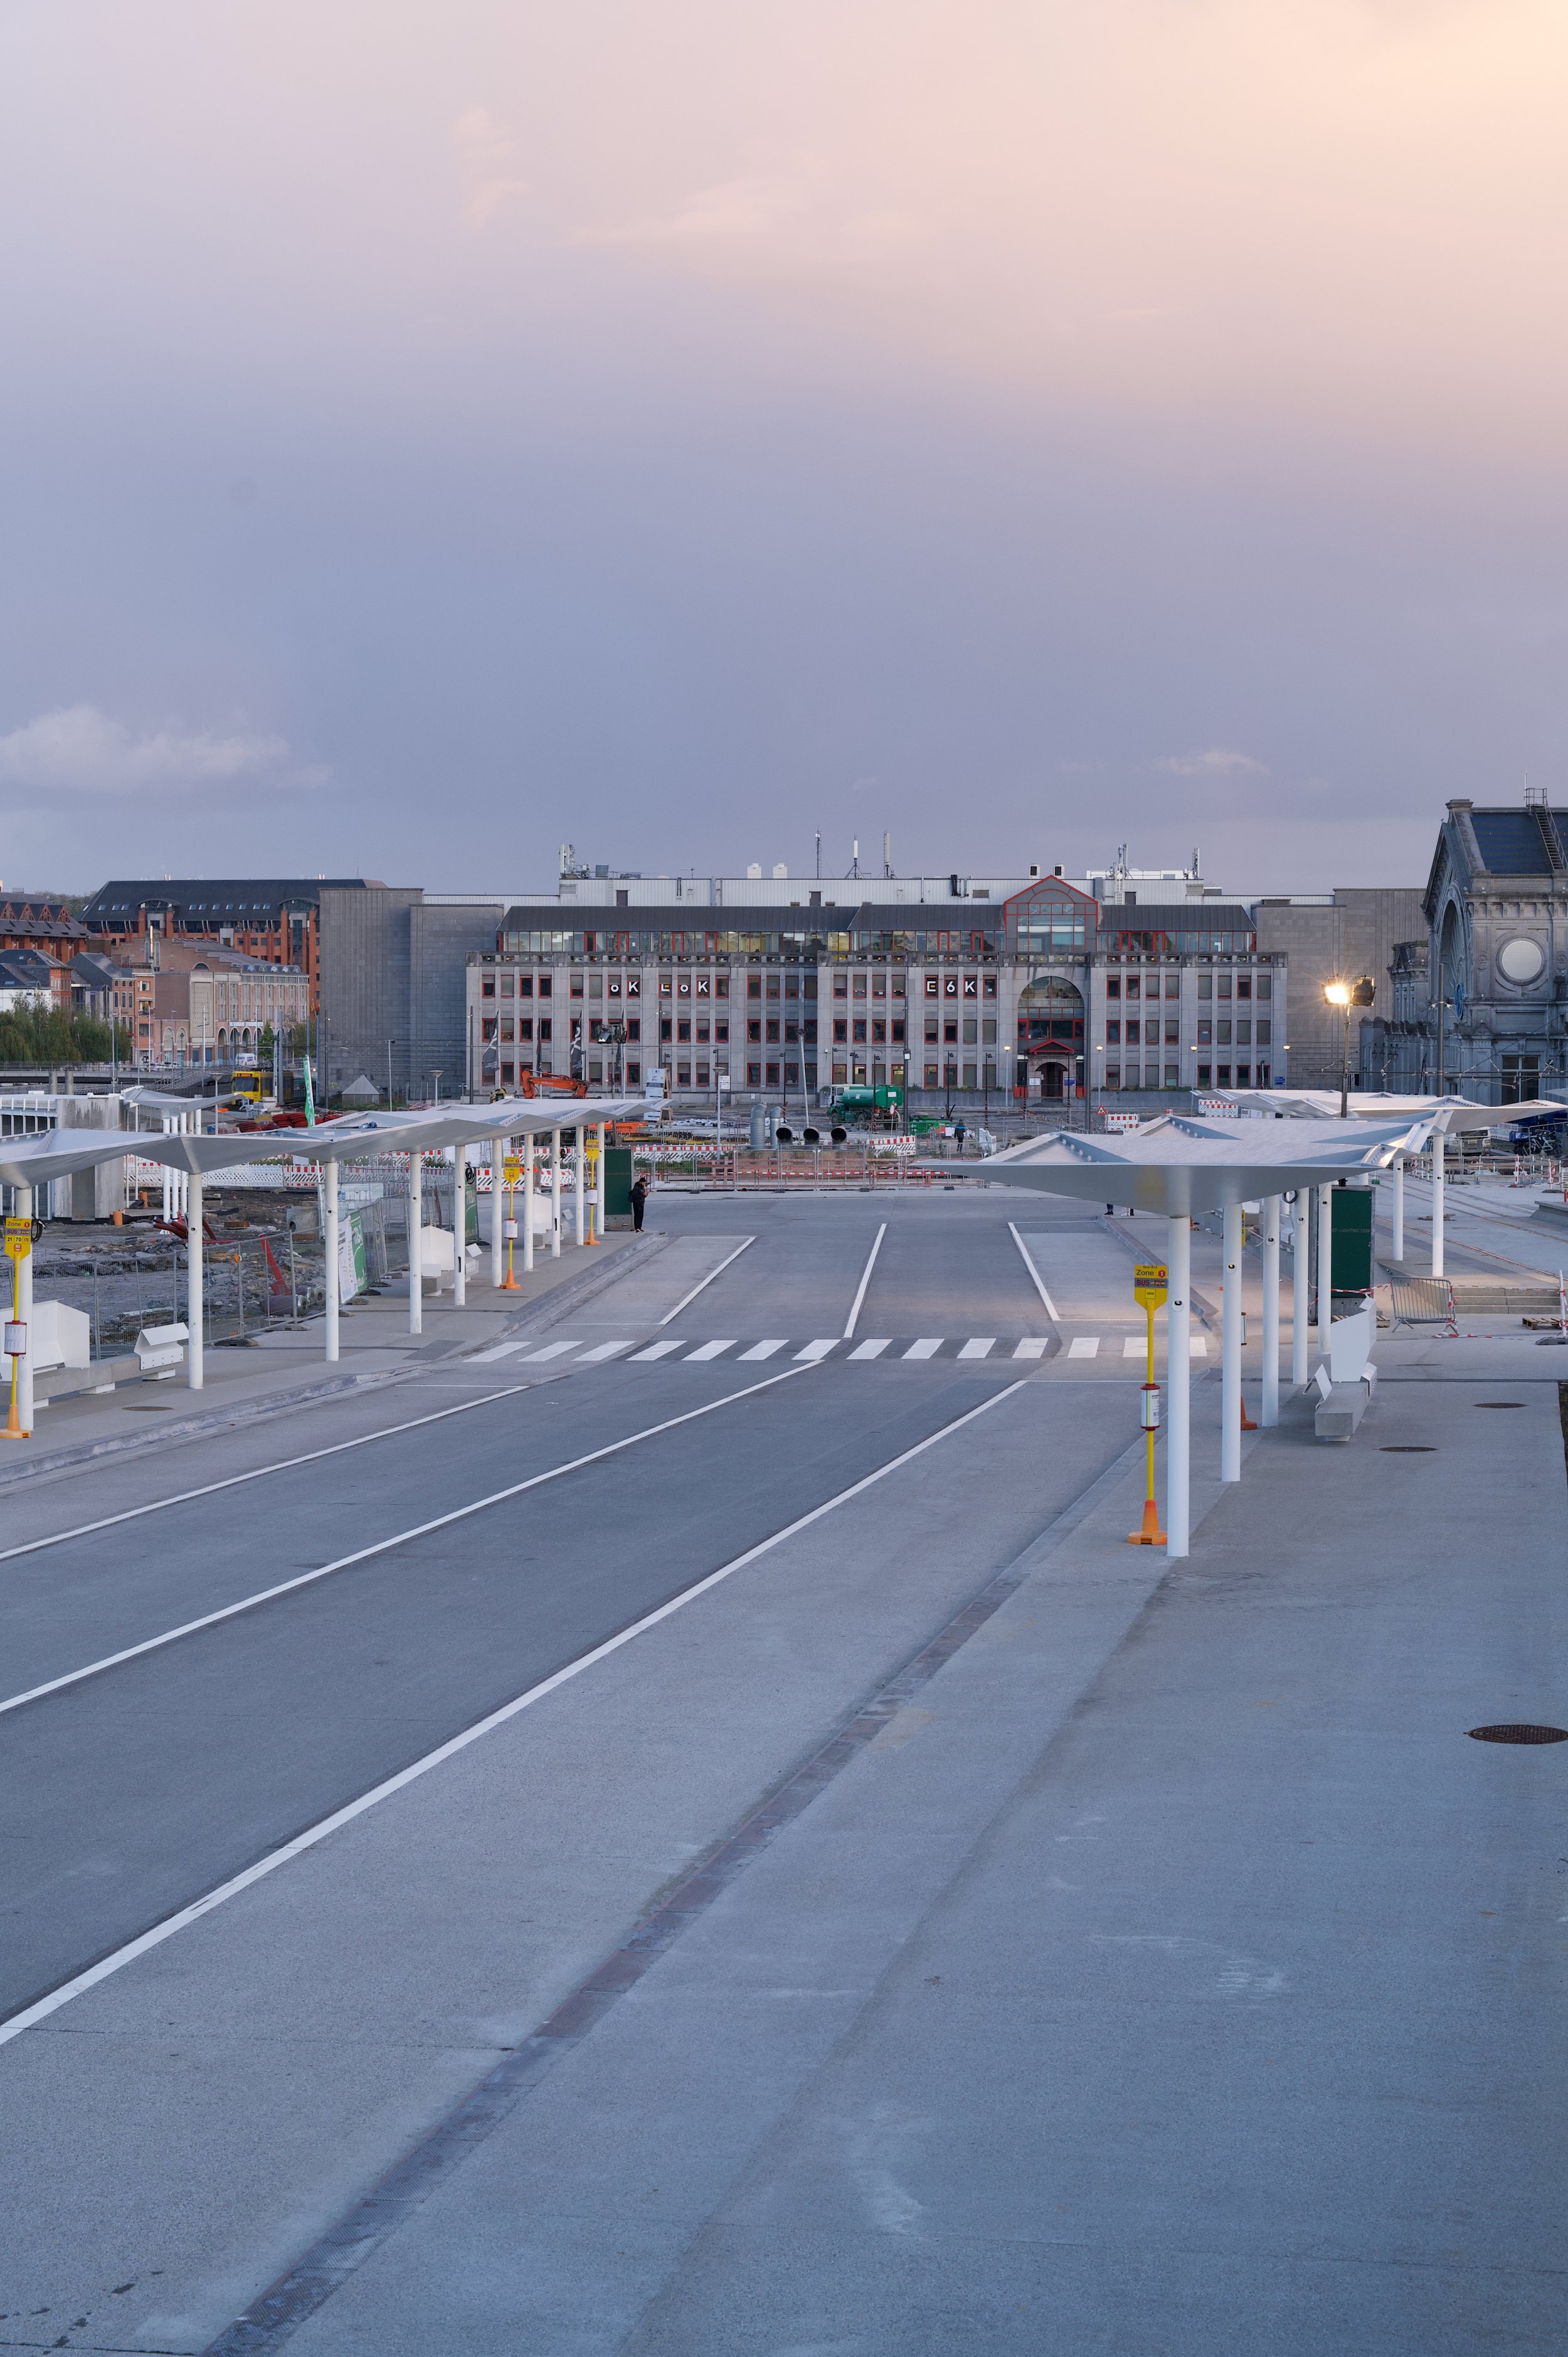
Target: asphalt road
{"type": "Point", "coordinates": [133, 1790]}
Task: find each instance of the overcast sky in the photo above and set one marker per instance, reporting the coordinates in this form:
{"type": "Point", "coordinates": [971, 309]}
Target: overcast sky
{"type": "Point", "coordinates": [432, 432]}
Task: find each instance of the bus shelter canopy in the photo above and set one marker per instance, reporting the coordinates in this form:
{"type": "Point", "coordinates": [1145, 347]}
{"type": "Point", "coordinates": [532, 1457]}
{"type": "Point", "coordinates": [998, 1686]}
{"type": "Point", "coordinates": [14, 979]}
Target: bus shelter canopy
{"type": "Point", "coordinates": [1450, 1115]}
{"type": "Point", "coordinates": [1177, 1165]}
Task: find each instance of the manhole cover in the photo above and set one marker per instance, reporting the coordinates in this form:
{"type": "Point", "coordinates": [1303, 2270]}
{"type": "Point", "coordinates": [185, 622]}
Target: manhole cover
{"type": "Point", "coordinates": [1408, 1449]}
{"type": "Point", "coordinates": [1499, 1402]}
{"type": "Point", "coordinates": [1514, 1734]}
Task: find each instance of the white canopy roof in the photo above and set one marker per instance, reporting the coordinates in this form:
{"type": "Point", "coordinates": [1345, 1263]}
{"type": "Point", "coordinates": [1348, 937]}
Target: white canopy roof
{"type": "Point", "coordinates": [58, 1153]}
{"type": "Point", "coordinates": [1177, 1165]}
{"type": "Point", "coordinates": [1451, 1115]}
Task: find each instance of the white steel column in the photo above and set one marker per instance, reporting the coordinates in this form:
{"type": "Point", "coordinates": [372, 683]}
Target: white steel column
{"type": "Point", "coordinates": [1325, 1265]}
{"type": "Point", "coordinates": [1300, 1340]}
{"type": "Point", "coordinates": [329, 1190]}
{"type": "Point", "coordinates": [599, 1186]}
{"type": "Point", "coordinates": [1439, 1149]}
{"type": "Point", "coordinates": [555, 1197]}
{"type": "Point", "coordinates": [416, 1218]}
{"type": "Point", "coordinates": [1270, 1411]}
{"type": "Point", "coordinates": [1230, 1350]}
{"type": "Point", "coordinates": [1178, 1382]}
{"type": "Point", "coordinates": [1399, 1208]}
{"type": "Point", "coordinates": [528, 1202]}
{"type": "Point", "coordinates": [25, 1200]}
{"type": "Point", "coordinates": [195, 1368]}
{"type": "Point", "coordinates": [459, 1227]}
{"type": "Point", "coordinates": [579, 1183]}
{"type": "Point", "coordinates": [498, 1221]}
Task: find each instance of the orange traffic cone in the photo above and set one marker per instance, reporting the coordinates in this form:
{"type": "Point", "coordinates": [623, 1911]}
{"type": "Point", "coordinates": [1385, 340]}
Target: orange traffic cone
{"type": "Point", "coordinates": [1151, 1534]}
{"type": "Point", "coordinates": [1247, 1424]}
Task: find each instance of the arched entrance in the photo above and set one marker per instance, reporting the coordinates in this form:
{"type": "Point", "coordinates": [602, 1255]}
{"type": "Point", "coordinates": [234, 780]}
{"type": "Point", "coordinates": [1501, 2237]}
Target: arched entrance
{"type": "Point", "coordinates": [1051, 1035]}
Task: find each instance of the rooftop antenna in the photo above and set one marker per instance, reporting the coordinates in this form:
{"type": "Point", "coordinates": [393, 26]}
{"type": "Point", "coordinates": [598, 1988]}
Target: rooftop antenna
{"type": "Point", "coordinates": [818, 855]}
{"type": "Point", "coordinates": [886, 852]}
{"type": "Point", "coordinates": [853, 868]}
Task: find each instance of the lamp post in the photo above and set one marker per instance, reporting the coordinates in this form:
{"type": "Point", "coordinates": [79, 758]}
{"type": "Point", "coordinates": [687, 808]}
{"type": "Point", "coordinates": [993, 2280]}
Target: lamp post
{"type": "Point", "coordinates": [1345, 996]}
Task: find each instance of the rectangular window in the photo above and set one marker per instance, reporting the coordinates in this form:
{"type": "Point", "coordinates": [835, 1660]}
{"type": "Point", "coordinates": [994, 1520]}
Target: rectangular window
{"type": "Point", "coordinates": [487, 1028]}
{"type": "Point", "coordinates": [1114, 1032]}
{"type": "Point", "coordinates": [841, 1029]}
{"type": "Point", "coordinates": [1132, 1031]}
{"type": "Point", "coordinates": [1173, 1032]}
{"type": "Point", "coordinates": [634, 1029]}
{"type": "Point", "coordinates": [704, 986]}
{"type": "Point", "coordinates": [1134, 985]}
{"type": "Point", "coordinates": [754, 1076]}
{"type": "Point", "coordinates": [988, 987]}
{"type": "Point", "coordinates": [545, 1028]}
{"type": "Point", "coordinates": [971, 1031]}
{"type": "Point", "coordinates": [754, 985]}
{"type": "Point", "coordinates": [879, 1032]}
{"type": "Point", "coordinates": [1224, 1073]}
{"type": "Point", "coordinates": [879, 986]}
{"type": "Point", "coordinates": [773, 1030]}
{"type": "Point", "coordinates": [1112, 1076]}
{"type": "Point", "coordinates": [754, 1029]}
{"type": "Point", "coordinates": [684, 1032]}
{"type": "Point", "coordinates": [950, 986]}
{"type": "Point", "coordinates": [721, 1027]}
{"type": "Point", "coordinates": [771, 990]}
{"type": "Point", "coordinates": [791, 1076]}
{"type": "Point", "coordinates": [634, 1073]}
{"type": "Point", "coordinates": [932, 1031]}
{"type": "Point", "coordinates": [666, 1028]}
{"type": "Point", "coordinates": [721, 985]}
{"type": "Point", "coordinates": [840, 1073]}
{"type": "Point", "coordinates": [1224, 986]}
{"type": "Point", "coordinates": [949, 1034]}
{"type": "Point", "coordinates": [773, 1076]}
{"type": "Point", "coordinates": [1265, 985]}
{"type": "Point", "coordinates": [1243, 1076]}
{"type": "Point", "coordinates": [703, 1076]}
{"type": "Point", "coordinates": [841, 985]}
{"type": "Point", "coordinates": [1262, 1076]}
{"type": "Point", "coordinates": [859, 991]}
{"type": "Point", "coordinates": [1173, 1076]}
{"type": "Point", "coordinates": [971, 1076]}
{"type": "Point", "coordinates": [1244, 985]}
{"type": "Point", "coordinates": [1173, 985]}
{"type": "Point", "coordinates": [506, 1076]}
{"type": "Point", "coordinates": [1206, 986]}
{"type": "Point", "coordinates": [897, 987]}
{"type": "Point", "coordinates": [898, 1032]}
{"type": "Point", "coordinates": [1244, 1032]}
{"type": "Point", "coordinates": [933, 1079]}
{"type": "Point", "coordinates": [1265, 1031]}
{"type": "Point", "coordinates": [1222, 1031]}
{"type": "Point", "coordinates": [860, 1028]}
{"type": "Point", "coordinates": [487, 986]}
{"type": "Point", "coordinates": [595, 986]}
{"type": "Point", "coordinates": [576, 985]}
{"type": "Point", "coordinates": [933, 985]}
{"type": "Point", "coordinates": [791, 1032]}
{"type": "Point", "coordinates": [525, 1026]}
{"type": "Point", "coordinates": [1205, 1031]}
{"type": "Point", "coordinates": [972, 986]}
{"type": "Point", "coordinates": [1205, 1074]}
{"type": "Point", "coordinates": [1112, 986]}
{"type": "Point", "coordinates": [683, 1076]}
{"type": "Point", "coordinates": [702, 1034]}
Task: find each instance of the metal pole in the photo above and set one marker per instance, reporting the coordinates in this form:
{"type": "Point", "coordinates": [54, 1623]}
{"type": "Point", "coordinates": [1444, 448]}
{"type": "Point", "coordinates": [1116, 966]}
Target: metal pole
{"type": "Point", "coordinates": [527, 1203]}
{"type": "Point", "coordinates": [459, 1155]}
{"type": "Point", "coordinates": [1398, 1209]}
{"type": "Point", "coordinates": [599, 1183]}
{"type": "Point", "coordinates": [194, 1287]}
{"type": "Point", "coordinates": [1231, 1351]}
{"type": "Point", "coordinates": [1325, 1265]}
{"type": "Point", "coordinates": [23, 1294]}
{"type": "Point", "coordinates": [415, 1222]}
{"type": "Point", "coordinates": [556, 1195]}
{"type": "Point", "coordinates": [498, 1221]}
{"type": "Point", "coordinates": [330, 1189]}
{"type": "Point", "coordinates": [1439, 1150]}
{"type": "Point", "coordinates": [1178, 1382]}
{"type": "Point", "coordinates": [579, 1182]}
{"type": "Point", "coordinates": [1299, 1337]}
{"type": "Point", "coordinates": [1270, 1411]}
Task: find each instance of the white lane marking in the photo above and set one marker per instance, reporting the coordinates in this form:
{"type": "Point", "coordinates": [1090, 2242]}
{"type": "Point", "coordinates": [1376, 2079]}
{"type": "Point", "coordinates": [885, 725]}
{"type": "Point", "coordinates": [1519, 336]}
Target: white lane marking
{"type": "Point", "coordinates": [655, 1350]}
{"type": "Point", "coordinates": [1032, 1346]}
{"type": "Point", "coordinates": [815, 1351]}
{"type": "Point", "coordinates": [383, 1546]}
{"type": "Point", "coordinates": [1083, 1345]}
{"type": "Point", "coordinates": [500, 1350]}
{"type": "Point", "coordinates": [744, 1245]}
{"type": "Point", "coordinates": [864, 1281]}
{"type": "Point", "coordinates": [710, 1350]}
{"type": "Point", "coordinates": [979, 1346]}
{"type": "Point", "coordinates": [185, 1915]}
{"type": "Point", "coordinates": [553, 1350]}
{"type": "Point", "coordinates": [258, 1472]}
{"type": "Point", "coordinates": [1134, 1346]}
{"type": "Point", "coordinates": [765, 1350]}
{"type": "Point", "coordinates": [603, 1351]}
{"type": "Point", "coordinates": [927, 1348]}
{"type": "Point", "coordinates": [1197, 1346]}
{"type": "Point", "coordinates": [868, 1350]}
{"type": "Point", "coordinates": [1051, 1309]}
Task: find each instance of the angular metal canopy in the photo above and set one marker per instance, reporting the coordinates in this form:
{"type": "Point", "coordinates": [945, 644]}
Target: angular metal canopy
{"type": "Point", "coordinates": [1451, 1115]}
{"type": "Point", "coordinates": [1178, 1166]}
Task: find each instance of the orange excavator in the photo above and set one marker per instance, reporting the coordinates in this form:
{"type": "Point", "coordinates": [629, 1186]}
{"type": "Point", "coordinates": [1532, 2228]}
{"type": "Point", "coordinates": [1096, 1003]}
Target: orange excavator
{"type": "Point", "coordinates": [534, 1084]}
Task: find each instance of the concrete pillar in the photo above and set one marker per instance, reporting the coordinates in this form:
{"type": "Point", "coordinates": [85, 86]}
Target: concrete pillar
{"type": "Point", "coordinates": [25, 1200]}
{"type": "Point", "coordinates": [528, 1202]}
{"type": "Point", "coordinates": [195, 1348]}
{"type": "Point", "coordinates": [1300, 1338]}
{"type": "Point", "coordinates": [1398, 1247]}
{"type": "Point", "coordinates": [600, 1184]}
{"type": "Point", "coordinates": [1230, 1350]}
{"type": "Point", "coordinates": [329, 1197]}
{"type": "Point", "coordinates": [415, 1277]}
{"type": "Point", "coordinates": [497, 1220]}
{"type": "Point", "coordinates": [1178, 1384]}
{"type": "Point", "coordinates": [459, 1159]}
{"type": "Point", "coordinates": [1269, 1412]}
{"type": "Point", "coordinates": [1324, 1266]}
{"type": "Point", "coordinates": [1439, 1150]}
{"type": "Point", "coordinates": [580, 1184]}
{"type": "Point", "coordinates": [556, 1195]}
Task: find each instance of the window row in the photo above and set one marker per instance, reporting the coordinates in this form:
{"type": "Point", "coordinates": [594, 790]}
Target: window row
{"type": "Point", "coordinates": [1209, 986]}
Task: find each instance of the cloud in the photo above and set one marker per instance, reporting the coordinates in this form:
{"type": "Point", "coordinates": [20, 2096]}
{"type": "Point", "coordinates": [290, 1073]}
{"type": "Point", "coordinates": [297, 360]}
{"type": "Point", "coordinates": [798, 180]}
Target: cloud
{"type": "Point", "coordinates": [486, 159]}
{"type": "Point", "coordinates": [1215, 761]}
{"type": "Point", "coordinates": [81, 750]}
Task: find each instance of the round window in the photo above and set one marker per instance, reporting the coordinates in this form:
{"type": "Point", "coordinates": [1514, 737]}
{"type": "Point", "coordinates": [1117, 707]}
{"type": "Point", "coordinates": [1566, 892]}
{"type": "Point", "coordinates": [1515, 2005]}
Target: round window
{"type": "Point", "coordinates": [1520, 960]}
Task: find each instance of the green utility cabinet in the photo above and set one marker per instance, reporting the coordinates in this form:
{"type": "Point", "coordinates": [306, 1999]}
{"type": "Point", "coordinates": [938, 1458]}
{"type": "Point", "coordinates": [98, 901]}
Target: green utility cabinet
{"type": "Point", "coordinates": [1353, 1239]}
{"type": "Point", "coordinates": [617, 1187]}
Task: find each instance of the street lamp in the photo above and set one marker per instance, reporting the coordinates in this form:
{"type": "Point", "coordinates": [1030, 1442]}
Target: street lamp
{"type": "Point", "coordinates": [1345, 996]}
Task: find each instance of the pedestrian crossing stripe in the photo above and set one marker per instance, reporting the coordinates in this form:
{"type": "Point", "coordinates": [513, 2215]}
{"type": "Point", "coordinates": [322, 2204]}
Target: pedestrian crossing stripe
{"type": "Point", "coordinates": [582, 1352]}
{"type": "Point", "coordinates": [1134, 1346]}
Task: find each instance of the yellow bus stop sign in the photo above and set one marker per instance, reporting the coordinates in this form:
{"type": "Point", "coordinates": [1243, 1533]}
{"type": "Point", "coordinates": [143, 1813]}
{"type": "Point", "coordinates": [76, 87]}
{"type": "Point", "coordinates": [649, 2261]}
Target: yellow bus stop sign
{"type": "Point", "coordinates": [18, 1238]}
{"type": "Point", "coordinates": [512, 1169]}
{"type": "Point", "coordinates": [1149, 1286]}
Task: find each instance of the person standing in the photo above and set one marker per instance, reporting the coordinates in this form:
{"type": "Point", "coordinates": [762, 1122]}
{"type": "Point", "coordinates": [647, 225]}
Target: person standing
{"type": "Point", "coordinates": [638, 1202]}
